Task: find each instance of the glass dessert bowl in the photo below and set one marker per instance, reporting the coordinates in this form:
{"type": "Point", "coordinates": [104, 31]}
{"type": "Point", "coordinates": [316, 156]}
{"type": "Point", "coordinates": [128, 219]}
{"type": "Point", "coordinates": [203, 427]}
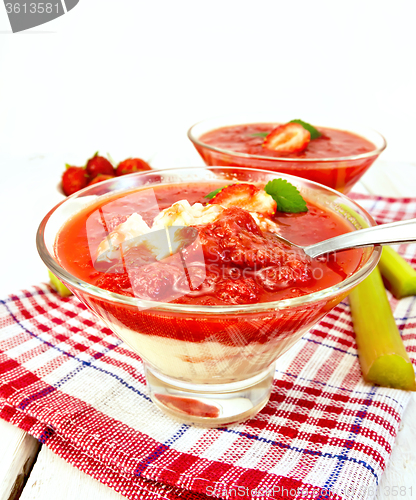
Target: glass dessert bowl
{"type": "Point", "coordinates": [337, 159]}
{"type": "Point", "coordinates": [207, 295]}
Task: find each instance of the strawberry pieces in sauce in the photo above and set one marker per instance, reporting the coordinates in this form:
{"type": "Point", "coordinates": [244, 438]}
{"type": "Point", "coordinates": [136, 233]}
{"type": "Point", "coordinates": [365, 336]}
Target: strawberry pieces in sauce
{"type": "Point", "coordinates": [235, 238]}
{"type": "Point", "coordinates": [275, 278]}
{"type": "Point", "coordinates": [240, 263]}
{"type": "Point", "coordinates": [154, 281]}
{"type": "Point", "coordinates": [116, 283]}
{"type": "Point", "coordinates": [115, 221]}
{"type": "Point", "coordinates": [238, 291]}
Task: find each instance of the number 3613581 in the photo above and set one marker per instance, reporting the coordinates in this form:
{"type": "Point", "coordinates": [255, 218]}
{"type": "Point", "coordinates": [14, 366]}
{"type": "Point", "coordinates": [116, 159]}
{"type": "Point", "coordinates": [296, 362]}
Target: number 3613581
{"type": "Point", "coordinates": [32, 8]}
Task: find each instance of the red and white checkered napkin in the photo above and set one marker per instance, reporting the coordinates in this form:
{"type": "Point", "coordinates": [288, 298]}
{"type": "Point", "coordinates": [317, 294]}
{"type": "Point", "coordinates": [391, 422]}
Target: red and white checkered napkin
{"type": "Point", "coordinates": [324, 434]}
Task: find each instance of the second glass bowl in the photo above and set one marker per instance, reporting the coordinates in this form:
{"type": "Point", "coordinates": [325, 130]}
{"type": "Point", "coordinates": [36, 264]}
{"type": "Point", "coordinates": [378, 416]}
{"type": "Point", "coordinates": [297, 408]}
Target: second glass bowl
{"type": "Point", "coordinates": [340, 173]}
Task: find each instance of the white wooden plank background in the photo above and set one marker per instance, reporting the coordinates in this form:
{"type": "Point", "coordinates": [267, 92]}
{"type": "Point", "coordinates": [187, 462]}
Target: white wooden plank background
{"type": "Point", "coordinates": [51, 474]}
{"type": "Point", "coordinates": [18, 452]}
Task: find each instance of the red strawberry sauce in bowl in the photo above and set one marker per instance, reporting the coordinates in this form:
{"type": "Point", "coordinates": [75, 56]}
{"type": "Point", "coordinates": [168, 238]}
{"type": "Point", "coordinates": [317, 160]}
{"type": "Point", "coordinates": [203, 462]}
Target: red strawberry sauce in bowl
{"type": "Point", "coordinates": [337, 159]}
{"type": "Point", "coordinates": [207, 295]}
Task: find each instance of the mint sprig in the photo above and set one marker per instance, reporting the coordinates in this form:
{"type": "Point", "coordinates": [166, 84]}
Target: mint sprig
{"type": "Point", "coordinates": [212, 194]}
{"type": "Point", "coordinates": [286, 195]}
{"type": "Point", "coordinates": [260, 134]}
{"type": "Point", "coordinates": [310, 128]}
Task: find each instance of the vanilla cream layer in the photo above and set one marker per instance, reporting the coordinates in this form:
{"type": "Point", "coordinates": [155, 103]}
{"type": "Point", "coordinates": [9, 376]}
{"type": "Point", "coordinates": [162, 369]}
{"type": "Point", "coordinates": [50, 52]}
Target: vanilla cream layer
{"type": "Point", "coordinates": [204, 362]}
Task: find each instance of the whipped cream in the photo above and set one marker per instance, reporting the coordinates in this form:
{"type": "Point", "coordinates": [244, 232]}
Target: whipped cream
{"type": "Point", "coordinates": [159, 240]}
{"type": "Point", "coordinates": [265, 224]}
{"type": "Point", "coordinates": [182, 213]}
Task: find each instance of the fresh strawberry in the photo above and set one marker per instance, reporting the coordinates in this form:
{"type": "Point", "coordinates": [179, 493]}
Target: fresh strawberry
{"type": "Point", "coordinates": [100, 178]}
{"type": "Point", "coordinates": [99, 165]}
{"type": "Point", "coordinates": [132, 165]}
{"type": "Point", "coordinates": [74, 179]}
{"type": "Point", "coordinates": [246, 196]}
{"type": "Point", "coordinates": [288, 138]}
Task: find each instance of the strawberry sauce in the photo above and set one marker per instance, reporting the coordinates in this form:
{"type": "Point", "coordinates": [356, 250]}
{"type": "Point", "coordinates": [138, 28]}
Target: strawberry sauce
{"type": "Point", "coordinates": [246, 139]}
{"type": "Point", "coordinates": [336, 144]}
{"type": "Point", "coordinates": [241, 264]}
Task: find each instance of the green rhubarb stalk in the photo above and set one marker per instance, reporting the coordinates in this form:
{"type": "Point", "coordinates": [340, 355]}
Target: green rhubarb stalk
{"type": "Point", "coordinates": [399, 274]}
{"type": "Point", "coordinates": [57, 285]}
{"type": "Point", "coordinates": [383, 357]}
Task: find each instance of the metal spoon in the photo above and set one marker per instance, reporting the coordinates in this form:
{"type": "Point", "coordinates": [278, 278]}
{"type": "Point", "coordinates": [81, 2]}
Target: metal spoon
{"type": "Point", "coordinates": [395, 232]}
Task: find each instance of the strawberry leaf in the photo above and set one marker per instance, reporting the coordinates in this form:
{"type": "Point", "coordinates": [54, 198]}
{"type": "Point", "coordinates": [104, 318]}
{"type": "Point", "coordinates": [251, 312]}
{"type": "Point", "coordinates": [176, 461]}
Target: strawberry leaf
{"type": "Point", "coordinates": [310, 128]}
{"type": "Point", "coordinates": [286, 196]}
{"type": "Point", "coordinates": [260, 134]}
{"type": "Point", "coordinates": [212, 194]}
{"type": "Point", "coordinates": [110, 159]}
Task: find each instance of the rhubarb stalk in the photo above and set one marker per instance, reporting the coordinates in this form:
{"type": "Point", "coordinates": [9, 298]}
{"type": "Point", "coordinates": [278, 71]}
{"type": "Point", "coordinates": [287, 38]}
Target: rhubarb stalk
{"type": "Point", "coordinates": [58, 286]}
{"type": "Point", "coordinates": [399, 274]}
{"type": "Point", "coordinates": [384, 360]}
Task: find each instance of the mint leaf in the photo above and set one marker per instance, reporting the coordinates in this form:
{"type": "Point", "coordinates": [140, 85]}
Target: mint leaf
{"type": "Point", "coordinates": [310, 128]}
{"type": "Point", "coordinates": [212, 194]}
{"type": "Point", "coordinates": [260, 134]}
{"type": "Point", "coordinates": [286, 196]}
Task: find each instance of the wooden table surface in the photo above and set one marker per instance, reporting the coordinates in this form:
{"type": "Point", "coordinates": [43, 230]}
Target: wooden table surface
{"type": "Point", "coordinates": [31, 471]}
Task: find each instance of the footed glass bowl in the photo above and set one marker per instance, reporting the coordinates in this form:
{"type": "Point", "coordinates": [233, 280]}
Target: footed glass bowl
{"type": "Point", "coordinates": [340, 172]}
{"type": "Point", "coordinates": [206, 365]}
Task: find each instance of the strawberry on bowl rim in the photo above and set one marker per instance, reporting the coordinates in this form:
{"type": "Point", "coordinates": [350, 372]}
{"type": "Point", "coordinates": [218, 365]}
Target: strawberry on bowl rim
{"type": "Point", "coordinates": [287, 138]}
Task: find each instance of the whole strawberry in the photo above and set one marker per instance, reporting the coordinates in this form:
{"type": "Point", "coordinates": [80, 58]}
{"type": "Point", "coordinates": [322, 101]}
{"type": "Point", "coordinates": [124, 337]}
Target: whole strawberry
{"type": "Point", "coordinates": [98, 165]}
{"type": "Point", "coordinates": [100, 178]}
{"type": "Point", "coordinates": [132, 165]}
{"type": "Point", "coordinates": [73, 179]}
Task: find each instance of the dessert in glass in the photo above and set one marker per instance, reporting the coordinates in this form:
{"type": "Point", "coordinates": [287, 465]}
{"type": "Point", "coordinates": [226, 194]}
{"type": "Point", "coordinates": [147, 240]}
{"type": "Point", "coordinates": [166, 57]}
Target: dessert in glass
{"type": "Point", "coordinates": [334, 156]}
{"type": "Point", "coordinates": [186, 266]}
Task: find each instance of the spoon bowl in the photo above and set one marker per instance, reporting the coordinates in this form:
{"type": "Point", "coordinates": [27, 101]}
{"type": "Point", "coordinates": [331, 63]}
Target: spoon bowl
{"type": "Point", "coordinates": [384, 234]}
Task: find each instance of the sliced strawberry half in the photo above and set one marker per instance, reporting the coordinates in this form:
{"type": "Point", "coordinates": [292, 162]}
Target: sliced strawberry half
{"type": "Point", "coordinates": [288, 138]}
{"type": "Point", "coordinates": [246, 196]}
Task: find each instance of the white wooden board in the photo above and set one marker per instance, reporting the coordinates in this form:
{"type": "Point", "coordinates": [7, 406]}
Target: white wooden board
{"type": "Point", "coordinates": [53, 478]}
{"type": "Point", "coordinates": [399, 478]}
{"type": "Point", "coordinates": [18, 451]}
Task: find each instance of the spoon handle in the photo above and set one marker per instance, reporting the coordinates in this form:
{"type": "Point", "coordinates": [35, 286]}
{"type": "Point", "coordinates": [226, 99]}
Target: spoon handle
{"type": "Point", "coordinates": [395, 232]}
